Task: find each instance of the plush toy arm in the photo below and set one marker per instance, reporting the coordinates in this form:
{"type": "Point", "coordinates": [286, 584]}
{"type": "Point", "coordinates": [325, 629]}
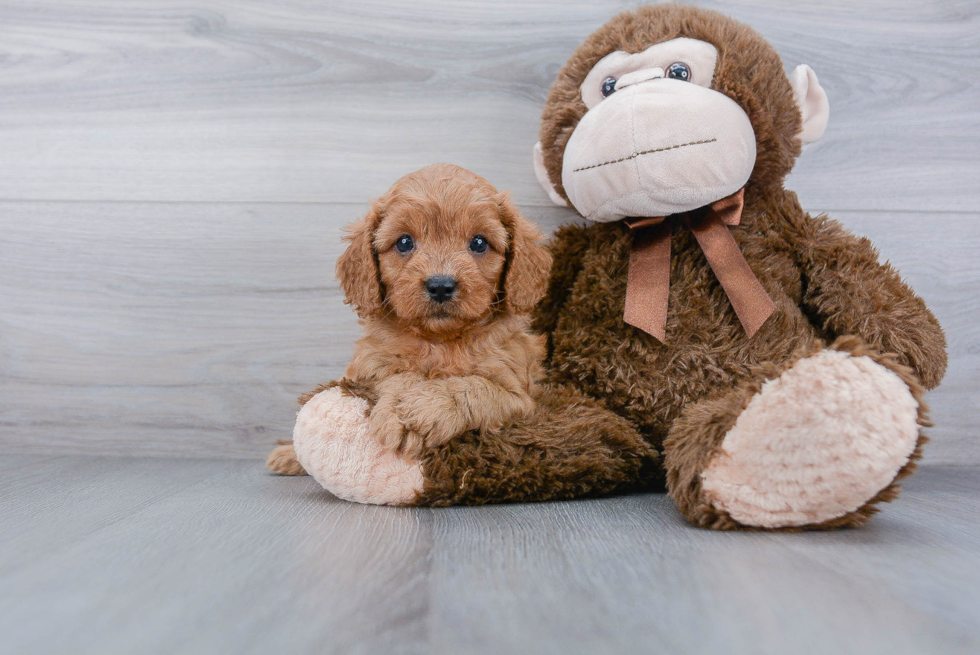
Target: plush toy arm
{"type": "Point", "coordinates": [847, 291]}
{"type": "Point", "coordinates": [568, 246]}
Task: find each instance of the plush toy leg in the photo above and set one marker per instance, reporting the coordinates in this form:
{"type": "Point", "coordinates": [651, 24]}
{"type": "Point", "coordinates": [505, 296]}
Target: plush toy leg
{"type": "Point", "coordinates": [333, 445]}
{"type": "Point", "coordinates": [815, 443]}
{"type": "Point", "coordinates": [568, 447]}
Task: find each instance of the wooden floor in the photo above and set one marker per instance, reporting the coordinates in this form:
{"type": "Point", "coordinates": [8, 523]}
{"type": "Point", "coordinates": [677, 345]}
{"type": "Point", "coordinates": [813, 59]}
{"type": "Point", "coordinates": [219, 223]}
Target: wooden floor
{"type": "Point", "coordinates": [125, 555]}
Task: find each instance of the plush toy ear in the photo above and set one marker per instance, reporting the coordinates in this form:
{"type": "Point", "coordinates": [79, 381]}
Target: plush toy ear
{"type": "Point", "coordinates": [357, 267]}
{"type": "Point", "coordinates": [541, 173]}
{"type": "Point", "coordinates": [812, 101]}
{"type": "Point", "coordinates": [528, 260]}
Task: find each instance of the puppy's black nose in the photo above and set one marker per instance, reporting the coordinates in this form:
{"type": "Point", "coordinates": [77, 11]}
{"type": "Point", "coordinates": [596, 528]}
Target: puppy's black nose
{"type": "Point", "coordinates": [440, 288]}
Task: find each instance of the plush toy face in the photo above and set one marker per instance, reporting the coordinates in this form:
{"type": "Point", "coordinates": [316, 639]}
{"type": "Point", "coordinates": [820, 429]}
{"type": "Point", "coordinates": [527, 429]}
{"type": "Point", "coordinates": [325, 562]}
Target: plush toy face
{"type": "Point", "coordinates": [657, 139]}
{"type": "Point", "coordinates": [665, 110]}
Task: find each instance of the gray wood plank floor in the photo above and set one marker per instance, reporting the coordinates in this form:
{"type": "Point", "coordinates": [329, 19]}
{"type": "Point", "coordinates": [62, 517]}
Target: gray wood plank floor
{"type": "Point", "coordinates": [127, 555]}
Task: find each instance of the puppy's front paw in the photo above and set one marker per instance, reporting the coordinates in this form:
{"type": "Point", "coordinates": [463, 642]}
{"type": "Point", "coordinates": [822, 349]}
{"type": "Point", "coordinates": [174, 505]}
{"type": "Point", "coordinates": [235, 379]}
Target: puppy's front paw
{"type": "Point", "coordinates": [386, 427]}
{"type": "Point", "coordinates": [432, 417]}
{"type": "Point", "coordinates": [412, 445]}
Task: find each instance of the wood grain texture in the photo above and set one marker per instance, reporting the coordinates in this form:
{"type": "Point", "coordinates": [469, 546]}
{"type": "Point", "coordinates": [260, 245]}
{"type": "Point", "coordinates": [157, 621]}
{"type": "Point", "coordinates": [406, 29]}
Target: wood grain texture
{"type": "Point", "coordinates": [330, 102]}
{"type": "Point", "coordinates": [192, 328]}
{"type": "Point", "coordinates": [174, 177]}
{"type": "Point", "coordinates": [122, 555]}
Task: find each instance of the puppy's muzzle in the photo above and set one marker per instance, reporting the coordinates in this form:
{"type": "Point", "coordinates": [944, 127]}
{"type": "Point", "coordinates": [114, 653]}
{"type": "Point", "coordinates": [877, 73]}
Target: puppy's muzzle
{"type": "Point", "coordinates": [441, 288]}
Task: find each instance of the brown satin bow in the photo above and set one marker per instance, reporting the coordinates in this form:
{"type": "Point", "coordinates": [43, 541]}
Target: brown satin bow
{"type": "Point", "coordinates": [648, 281]}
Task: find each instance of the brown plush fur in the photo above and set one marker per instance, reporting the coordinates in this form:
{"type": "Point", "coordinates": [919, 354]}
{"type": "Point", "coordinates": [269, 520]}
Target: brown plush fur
{"type": "Point", "coordinates": [437, 370]}
{"type": "Point", "coordinates": [707, 351]}
{"type": "Point", "coordinates": [826, 282]}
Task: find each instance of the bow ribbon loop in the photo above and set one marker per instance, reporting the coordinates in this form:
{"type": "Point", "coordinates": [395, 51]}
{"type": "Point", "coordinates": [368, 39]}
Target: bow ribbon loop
{"type": "Point", "coordinates": [648, 280]}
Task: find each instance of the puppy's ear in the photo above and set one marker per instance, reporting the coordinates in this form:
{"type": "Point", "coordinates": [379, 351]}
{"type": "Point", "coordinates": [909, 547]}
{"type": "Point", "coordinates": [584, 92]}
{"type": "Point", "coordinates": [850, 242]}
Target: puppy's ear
{"type": "Point", "coordinates": [528, 260]}
{"type": "Point", "coordinates": [357, 267]}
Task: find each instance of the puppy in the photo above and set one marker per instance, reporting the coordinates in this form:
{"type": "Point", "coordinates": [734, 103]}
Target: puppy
{"type": "Point", "coordinates": [443, 273]}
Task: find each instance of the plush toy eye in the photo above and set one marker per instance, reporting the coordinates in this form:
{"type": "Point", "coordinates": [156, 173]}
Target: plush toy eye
{"type": "Point", "coordinates": [405, 244]}
{"type": "Point", "coordinates": [479, 244]}
{"type": "Point", "coordinates": [679, 71]}
{"type": "Point", "coordinates": [608, 86]}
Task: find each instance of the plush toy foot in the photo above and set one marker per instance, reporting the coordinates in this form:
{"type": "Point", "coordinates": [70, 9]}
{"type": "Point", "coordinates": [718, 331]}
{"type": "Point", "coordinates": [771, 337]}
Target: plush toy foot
{"type": "Point", "coordinates": [333, 444]}
{"type": "Point", "coordinates": [816, 443]}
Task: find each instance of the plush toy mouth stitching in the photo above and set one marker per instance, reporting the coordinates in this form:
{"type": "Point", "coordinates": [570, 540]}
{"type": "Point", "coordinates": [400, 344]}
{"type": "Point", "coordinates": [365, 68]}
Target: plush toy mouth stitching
{"type": "Point", "coordinates": [645, 152]}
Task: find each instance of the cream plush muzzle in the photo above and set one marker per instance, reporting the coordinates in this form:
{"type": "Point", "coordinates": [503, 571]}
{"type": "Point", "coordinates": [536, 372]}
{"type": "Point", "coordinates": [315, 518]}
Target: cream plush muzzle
{"type": "Point", "coordinates": [657, 147]}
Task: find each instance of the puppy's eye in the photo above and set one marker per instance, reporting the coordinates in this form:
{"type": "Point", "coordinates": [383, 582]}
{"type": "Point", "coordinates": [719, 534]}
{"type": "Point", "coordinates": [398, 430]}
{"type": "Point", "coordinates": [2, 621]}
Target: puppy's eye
{"type": "Point", "coordinates": [405, 244]}
{"type": "Point", "coordinates": [679, 71]}
{"type": "Point", "coordinates": [608, 86]}
{"type": "Point", "coordinates": [479, 244]}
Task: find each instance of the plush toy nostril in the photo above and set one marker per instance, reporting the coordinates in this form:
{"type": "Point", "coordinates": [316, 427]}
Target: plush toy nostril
{"type": "Point", "coordinates": [440, 288]}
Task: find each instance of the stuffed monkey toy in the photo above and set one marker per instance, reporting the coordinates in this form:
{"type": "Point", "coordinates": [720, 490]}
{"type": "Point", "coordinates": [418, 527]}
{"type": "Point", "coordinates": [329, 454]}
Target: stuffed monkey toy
{"type": "Point", "coordinates": [758, 362]}
{"type": "Point", "coordinates": [699, 302]}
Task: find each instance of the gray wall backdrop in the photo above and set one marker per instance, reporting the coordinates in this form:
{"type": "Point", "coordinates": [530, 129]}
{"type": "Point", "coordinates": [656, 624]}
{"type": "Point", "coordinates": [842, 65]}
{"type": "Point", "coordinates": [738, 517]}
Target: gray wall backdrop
{"type": "Point", "coordinates": [174, 177]}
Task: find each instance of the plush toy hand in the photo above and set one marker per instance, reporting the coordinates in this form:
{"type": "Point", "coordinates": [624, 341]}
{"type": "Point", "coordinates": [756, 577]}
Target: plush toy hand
{"type": "Point", "coordinates": [333, 442]}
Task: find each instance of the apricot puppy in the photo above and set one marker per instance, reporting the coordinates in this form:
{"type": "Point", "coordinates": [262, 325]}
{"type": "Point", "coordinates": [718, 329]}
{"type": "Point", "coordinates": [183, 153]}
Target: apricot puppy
{"type": "Point", "coordinates": [443, 272]}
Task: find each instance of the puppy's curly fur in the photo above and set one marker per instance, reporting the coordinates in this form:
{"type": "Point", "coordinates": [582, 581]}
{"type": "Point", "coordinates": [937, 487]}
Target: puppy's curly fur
{"type": "Point", "coordinates": [439, 369]}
